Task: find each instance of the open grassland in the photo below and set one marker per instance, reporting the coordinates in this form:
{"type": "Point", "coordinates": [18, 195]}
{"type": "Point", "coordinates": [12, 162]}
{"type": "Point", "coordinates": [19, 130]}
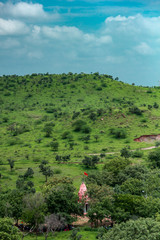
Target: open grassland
{"type": "Point", "coordinates": [38, 115]}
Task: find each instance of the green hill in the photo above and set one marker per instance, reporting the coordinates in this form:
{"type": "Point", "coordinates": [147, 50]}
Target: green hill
{"type": "Point", "coordinates": [44, 115]}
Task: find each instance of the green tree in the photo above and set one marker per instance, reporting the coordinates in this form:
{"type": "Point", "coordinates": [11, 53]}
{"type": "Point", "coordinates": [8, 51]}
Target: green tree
{"type": "Point", "coordinates": [118, 133]}
{"type": "Point", "coordinates": [62, 199]}
{"type": "Point", "coordinates": [90, 162]}
{"type": "Point", "coordinates": [116, 166]}
{"type": "Point", "coordinates": [48, 130]}
{"type": "Point", "coordinates": [11, 163]}
{"type": "Point", "coordinates": [143, 228]}
{"type": "Point", "coordinates": [133, 186]}
{"type": "Point", "coordinates": [8, 231]}
{"type": "Point", "coordinates": [154, 158]}
{"type": "Point", "coordinates": [46, 170]}
{"type": "Point", "coordinates": [34, 209]}
{"type": "Point", "coordinates": [125, 152]}
{"type": "Point", "coordinates": [54, 145]}
{"type": "Point", "coordinates": [96, 137]}
{"type": "Point", "coordinates": [29, 173]}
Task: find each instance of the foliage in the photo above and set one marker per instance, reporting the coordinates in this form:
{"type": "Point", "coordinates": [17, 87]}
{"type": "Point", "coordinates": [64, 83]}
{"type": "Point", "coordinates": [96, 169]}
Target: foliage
{"type": "Point", "coordinates": [116, 165]}
{"type": "Point", "coordinates": [135, 110]}
{"type": "Point", "coordinates": [11, 163]}
{"type": "Point", "coordinates": [48, 130]}
{"type": "Point", "coordinates": [74, 235]}
{"type": "Point", "coordinates": [146, 229]}
{"type": "Point", "coordinates": [8, 231]}
{"type": "Point", "coordinates": [100, 178]}
{"type": "Point", "coordinates": [118, 132]}
{"type": "Point", "coordinates": [29, 173]}
{"type": "Point", "coordinates": [81, 126]}
{"type": "Point", "coordinates": [154, 158]}
{"type": "Point", "coordinates": [34, 209]}
{"type": "Point", "coordinates": [62, 199]}
{"type": "Point", "coordinates": [24, 185]}
{"type": "Point", "coordinates": [54, 145]}
{"type": "Point", "coordinates": [46, 170]}
{"type": "Point", "coordinates": [90, 162]}
{"type": "Point", "coordinates": [125, 152]}
{"type": "Point", "coordinates": [133, 186]}
{"type": "Point", "coordinates": [137, 154]}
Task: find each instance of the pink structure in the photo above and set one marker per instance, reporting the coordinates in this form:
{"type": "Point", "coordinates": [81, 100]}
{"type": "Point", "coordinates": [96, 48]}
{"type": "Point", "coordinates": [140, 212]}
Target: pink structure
{"type": "Point", "coordinates": [83, 196]}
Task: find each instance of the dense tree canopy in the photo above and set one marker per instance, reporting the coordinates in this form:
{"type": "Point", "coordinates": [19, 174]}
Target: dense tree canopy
{"type": "Point", "coordinates": [8, 231]}
{"type": "Point", "coordinates": [141, 229]}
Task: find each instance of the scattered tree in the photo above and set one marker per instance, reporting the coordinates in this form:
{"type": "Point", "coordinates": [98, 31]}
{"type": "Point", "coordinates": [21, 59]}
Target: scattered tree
{"type": "Point", "coordinates": [11, 163]}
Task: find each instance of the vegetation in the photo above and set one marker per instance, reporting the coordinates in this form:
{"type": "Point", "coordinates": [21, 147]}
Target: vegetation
{"type": "Point", "coordinates": [146, 229]}
{"type": "Point", "coordinates": [53, 128]}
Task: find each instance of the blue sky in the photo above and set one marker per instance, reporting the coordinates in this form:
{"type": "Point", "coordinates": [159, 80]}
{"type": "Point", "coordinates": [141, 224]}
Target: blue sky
{"type": "Point", "coordinates": [120, 38]}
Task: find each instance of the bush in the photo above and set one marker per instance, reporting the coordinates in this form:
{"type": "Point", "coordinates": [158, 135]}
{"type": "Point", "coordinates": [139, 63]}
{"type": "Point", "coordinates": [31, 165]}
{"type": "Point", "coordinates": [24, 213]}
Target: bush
{"type": "Point", "coordinates": [90, 162]}
{"type": "Point", "coordinates": [57, 171]}
{"type": "Point", "coordinates": [67, 135]}
{"type": "Point", "coordinates": [78, 125]}
{"type": "Point", "coordinates": [29, 173]}
{"type": "Point", "coordinates": [86, 129]}
{"type": "Point", "coordinates": [135, 110]}
{"type": "Point", "coordinates": [81, 126]}
{"type": "Point", "coordinates": [118, 132]}
{"type": "Point", "coordinates": [154, 158]}
{"type": "Point", "coordinates": [75, 115]}
{"type": "Point", "coordinates": [137, 154]}
{"type": "Point", "coordinates": [155, 105]}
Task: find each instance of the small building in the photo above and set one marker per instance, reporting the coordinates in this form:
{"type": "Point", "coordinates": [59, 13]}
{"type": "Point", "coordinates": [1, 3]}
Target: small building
{"type": "Point", "coordinates": [84, 197]}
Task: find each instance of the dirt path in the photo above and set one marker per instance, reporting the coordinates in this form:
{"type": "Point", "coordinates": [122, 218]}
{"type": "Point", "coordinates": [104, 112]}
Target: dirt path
{"type": "Point", "coordinates": [109, 153]}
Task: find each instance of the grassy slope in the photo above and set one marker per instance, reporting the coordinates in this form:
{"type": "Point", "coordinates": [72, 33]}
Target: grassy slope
{"type": "Point", "coordinates": [27, 100]}
{"type": "Point", "coordinates": [65, 236]}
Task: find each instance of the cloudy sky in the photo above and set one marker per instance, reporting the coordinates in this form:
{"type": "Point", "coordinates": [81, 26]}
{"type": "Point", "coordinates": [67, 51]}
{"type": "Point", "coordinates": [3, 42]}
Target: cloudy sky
{"type": "Point", "coordinates": [119, 37]}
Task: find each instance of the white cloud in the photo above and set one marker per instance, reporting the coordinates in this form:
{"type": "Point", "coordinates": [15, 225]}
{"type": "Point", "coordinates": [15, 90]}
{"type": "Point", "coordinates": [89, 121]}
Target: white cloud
{"type": "Point", "coordinates": [12, 27]}
{"type": "Point", "coordinates": [144, 49]}
{"type": "Point", "coordinates": [26, 10]}
{"type": "Point", "coordinates": [118, 18]}
{"type": "Point", "coordinates": [133, 25]}
{"type": "Point", "coordinates": [105, 39]}
{"type": "Point", "coordinates": [62, 33]}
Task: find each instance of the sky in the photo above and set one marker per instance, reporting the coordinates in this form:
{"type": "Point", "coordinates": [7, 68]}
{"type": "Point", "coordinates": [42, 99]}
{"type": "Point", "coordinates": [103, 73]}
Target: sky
{"type": "Point", "coordinates": [119, 38]}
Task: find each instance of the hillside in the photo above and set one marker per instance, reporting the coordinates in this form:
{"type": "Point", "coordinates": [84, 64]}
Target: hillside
{"type": "Point", "coordinates": [43, 115]}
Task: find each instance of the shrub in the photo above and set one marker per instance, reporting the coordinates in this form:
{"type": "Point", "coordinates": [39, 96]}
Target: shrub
{"type": "Point", "coordinates": [86, 129]}
{"type": "Point", "coordinates": [155, 105]}
{"type": "Point", "coordinates": [154, 158]}
{"type": "Point", "coordinates": [78, 125]}
{"type": "Point", "coordinates": [118, 132]}
{"type": "Point", "coordinates": [29, 173]}
{"type": "Point", "coordinates": [135, 110]}
{"type": "Point", "coordinates": [137, 154]}
{"type": "Point", "coordinates": [67, 135]}
{"type": "Point", "coordinates": [81, 126]}
{"type": "Point", "coordinates": [75, 115]}
{"type": "Point", "coordinates": [57, 171]}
